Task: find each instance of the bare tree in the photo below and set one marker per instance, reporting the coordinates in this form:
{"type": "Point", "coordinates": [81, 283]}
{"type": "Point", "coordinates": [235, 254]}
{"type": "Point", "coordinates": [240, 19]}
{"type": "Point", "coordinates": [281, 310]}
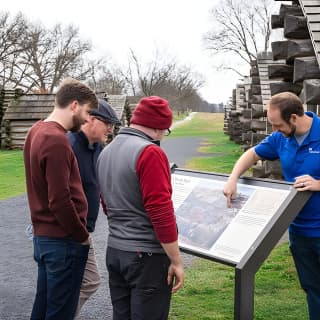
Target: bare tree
{"type": "Point", "coordinates": [164, 77]}
{"type": "Point", "coordinates": [241, 27]}
{"type": "Point", "coordinates": [11, 44]}
{"type": "Point", "coordinates": [148, 78]}
{"type": "Point", "coordinates": [49, 56]}
{"type": "Point", "coordinates": [106, 76]}
{"type": "Point", "coordinates": [111, 81]}
{"type": "Point", "coordinates": [182, 88]}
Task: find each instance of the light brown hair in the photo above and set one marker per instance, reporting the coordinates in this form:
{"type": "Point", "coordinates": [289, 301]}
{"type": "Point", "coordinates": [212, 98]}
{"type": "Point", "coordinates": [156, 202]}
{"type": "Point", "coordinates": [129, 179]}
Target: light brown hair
{"type": "Point", "coordinates": [71, 90]}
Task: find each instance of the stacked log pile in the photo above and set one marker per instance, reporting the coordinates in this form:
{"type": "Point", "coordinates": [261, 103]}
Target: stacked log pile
{"type": "Point", "coordinates": [227, 127]}
{"type": "Point", "coordinates": [293, 66]}
{"type": "Point", "coordinates": [300, 74]}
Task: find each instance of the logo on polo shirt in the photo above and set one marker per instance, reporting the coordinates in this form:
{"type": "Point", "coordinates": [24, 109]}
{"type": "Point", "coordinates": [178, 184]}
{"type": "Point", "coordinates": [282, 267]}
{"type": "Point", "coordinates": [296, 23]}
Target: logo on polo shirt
{"type": "Point", "coordinates": [313, 151]}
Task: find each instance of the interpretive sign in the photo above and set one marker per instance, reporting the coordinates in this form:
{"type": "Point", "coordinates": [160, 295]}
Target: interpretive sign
{"type": "Point", "coordinates": [206, 224]}
{"type": "Point", "coordinates": [241, 236]}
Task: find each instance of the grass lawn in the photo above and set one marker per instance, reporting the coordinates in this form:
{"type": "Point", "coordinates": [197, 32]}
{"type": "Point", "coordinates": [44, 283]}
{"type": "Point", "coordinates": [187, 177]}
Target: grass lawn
{"type": "Point", "coordinates": [208, 291]}
{"type": "Point", "coordinates": [12, 178]}
{"type": "Point", "coordinates": [222, 153]}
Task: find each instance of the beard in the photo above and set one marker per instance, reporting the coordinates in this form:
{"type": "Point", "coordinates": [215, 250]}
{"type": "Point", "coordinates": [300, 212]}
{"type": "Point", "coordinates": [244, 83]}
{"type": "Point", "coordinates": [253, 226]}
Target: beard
{"type": "Point", "coordinates": [76, 123]}
{"type": "Point", "coordinates": [292, 132]}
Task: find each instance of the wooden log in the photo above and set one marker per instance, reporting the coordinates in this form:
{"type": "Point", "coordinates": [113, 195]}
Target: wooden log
{"type": "Point", "coordinates": [246, 113]}
{"type": "Point", "coordinates": [279, 49]}
{"type": "Point", "coordinates": [258, 111]}
{"type": "Point", "coordinates": [299, 48]}
{"type": "Point", "coordinates": [311, 91]}
{"type": "Point", "coordinates": [296, 27]}
{"type": "Point", "coordinates": [245, 147]}
{"type": "Point", "coordinates": [235, 113]}
{"type": "Point", "coordinates": [287, 9]}
{"type": "Point", "coordinates": [255, 80]}
{"type": "Point", "coordinates": [255, 90]}
{"type": "Point", "coordinates": [242, 105]}
{"type": "Point", "coordinates": [258, 125]}
{"type": "Point", "coordinates": [283, 71]}
{"type": "Point", "coordinates": [245, 124]}
{"type": "Point", "coordinates": [273, 167]}
{"type": "Point", "coordinates": [256, 99]}
{"type": "Point", "coordinates": [253, 63]}
{"type": "Point", "coordinates": [312, 108]}
{"type": "Point", "coordinates": [252, 137]}
{"type": "Point", "coordinates": [276, 21]}
{"type": "Point", "coordinates": [282, 86]}
{"type": "Point", "coordinates": [306, 68]}
{"type": "Point", "coordinates": [259, 171]}
{"type": "Point", "coordinates": [236, 138]}
{"type": "Point", "coordinates": [235, 126]}
{"type": "Point", "coordinates": [254, 71]}
{"type": "Point", "coordinates": [249, 94]}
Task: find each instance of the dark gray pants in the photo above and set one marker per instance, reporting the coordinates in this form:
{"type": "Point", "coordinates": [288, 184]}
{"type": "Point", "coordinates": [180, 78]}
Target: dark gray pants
{"type": "Point", "coordinates": [138, 285]}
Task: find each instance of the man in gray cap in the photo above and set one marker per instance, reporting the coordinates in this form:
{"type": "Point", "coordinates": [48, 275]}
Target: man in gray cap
{"type": "Point", "coordinates": [87, 145]}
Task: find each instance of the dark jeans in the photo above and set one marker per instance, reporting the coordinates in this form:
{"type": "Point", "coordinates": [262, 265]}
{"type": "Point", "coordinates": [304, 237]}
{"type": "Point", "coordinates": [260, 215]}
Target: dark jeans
{"type": "Point", "coordinates": [138, 285]}
{"type": "Point", "coordinates": [61, 263]}
{"type": "Point", "coordinates": [306, 255]}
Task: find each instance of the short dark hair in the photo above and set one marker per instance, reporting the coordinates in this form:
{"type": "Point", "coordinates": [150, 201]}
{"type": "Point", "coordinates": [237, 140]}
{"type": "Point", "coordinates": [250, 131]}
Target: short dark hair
{"type": "Point", "coordinates": [71, 90]}
{"type": "Point", "coordinates": [288, 103]}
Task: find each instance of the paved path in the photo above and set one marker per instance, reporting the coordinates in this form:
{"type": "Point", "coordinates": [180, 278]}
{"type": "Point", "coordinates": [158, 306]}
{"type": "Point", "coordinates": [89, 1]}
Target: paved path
{"type": "Point", "coordinates": [18, 270]}
{"type": "Point", "coordinates": [179, 150]}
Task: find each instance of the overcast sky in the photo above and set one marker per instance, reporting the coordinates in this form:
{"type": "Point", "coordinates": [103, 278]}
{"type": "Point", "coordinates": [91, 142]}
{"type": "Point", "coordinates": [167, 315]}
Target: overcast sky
{"type": "Point", "coordinates": [114, 26]}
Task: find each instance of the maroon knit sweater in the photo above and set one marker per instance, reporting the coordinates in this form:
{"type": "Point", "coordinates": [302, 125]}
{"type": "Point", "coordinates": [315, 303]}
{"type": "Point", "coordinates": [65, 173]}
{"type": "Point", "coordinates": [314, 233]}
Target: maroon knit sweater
{"type": "Point", "coordinates": [57, 202]}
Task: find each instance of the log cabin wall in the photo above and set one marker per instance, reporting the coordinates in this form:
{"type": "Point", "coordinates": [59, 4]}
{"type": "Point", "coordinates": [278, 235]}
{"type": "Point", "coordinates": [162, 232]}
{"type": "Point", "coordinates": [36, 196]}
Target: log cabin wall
{"type": "Point", "coordinates": [26, 110]}
{"type": "Point", "coordinates": [7, 95]}
{"type": "Point", "coordinates": [21, 114]}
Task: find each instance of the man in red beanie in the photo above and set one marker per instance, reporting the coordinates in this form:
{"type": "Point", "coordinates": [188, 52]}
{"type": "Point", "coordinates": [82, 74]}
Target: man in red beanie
{"type": "Point", "coordinates": [143, 258]}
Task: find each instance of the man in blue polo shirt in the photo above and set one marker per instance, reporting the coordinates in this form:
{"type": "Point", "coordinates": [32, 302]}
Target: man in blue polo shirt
{"type": "Point", "coordinates": [87, 145]}
{"type": "Point", "coordinates": [296, 142]}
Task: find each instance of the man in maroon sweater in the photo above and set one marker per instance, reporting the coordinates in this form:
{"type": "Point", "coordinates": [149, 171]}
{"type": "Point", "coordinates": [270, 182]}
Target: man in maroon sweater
{"type": "Point", "coordinates": [57, 203]}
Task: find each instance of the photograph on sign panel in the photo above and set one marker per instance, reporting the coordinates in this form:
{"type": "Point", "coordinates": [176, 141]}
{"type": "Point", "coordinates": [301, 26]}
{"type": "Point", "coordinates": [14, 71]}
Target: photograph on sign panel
{"type": "Point", "coordinates": [203, 215]}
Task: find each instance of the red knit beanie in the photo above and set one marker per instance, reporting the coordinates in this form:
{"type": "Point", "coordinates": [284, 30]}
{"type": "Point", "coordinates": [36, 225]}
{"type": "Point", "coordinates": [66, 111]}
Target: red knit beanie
{"type": "Point", "coordinates": [152, 112]}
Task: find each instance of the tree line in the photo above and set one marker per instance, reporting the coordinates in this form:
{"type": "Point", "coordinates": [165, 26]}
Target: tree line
{"type": "Point", "coordinates": [35, 58]}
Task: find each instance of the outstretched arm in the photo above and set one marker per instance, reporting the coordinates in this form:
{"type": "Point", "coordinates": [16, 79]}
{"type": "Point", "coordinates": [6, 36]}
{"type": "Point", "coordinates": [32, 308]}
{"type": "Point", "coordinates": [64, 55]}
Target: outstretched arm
{"type": "Point", "coordinates": [246, 161]}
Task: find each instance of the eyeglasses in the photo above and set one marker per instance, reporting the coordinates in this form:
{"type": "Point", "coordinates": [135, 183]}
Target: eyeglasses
{"type": "Point", "coordinates": [108, 124]}
{"type": "Point", "coordinates": [167, 132]}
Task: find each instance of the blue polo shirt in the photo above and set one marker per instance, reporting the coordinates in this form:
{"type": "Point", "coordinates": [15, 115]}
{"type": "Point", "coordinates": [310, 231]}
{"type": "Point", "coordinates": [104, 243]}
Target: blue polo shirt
{"type": "Point", "coordinates": [87, 155]}
{"type": "Point", "coordinates": [297, 160]}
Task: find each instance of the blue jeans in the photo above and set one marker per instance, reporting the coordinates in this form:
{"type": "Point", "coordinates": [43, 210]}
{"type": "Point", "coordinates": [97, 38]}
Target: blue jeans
{"type": "Point", "coordinates": [138, 285]}
{"type": "Point", "coordinates": [306, 255]}
{"type": "Point", "coordinates": [61, 263]}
